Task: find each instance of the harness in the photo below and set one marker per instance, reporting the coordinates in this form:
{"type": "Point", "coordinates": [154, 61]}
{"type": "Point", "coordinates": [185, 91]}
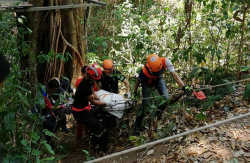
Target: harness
{"type": "Point", "coordinates": [82, 109]}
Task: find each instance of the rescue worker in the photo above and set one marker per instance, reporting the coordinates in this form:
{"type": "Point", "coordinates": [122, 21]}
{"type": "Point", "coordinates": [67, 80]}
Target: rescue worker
{"type": "Point", "coordinates": [50, 95]}
{"type": "Point", "coordinates": [151, 76]}
{"type": "Point", "coordinates": [110, 78]}
{"type": "Point", "coordinates": [84, 74]}
{"type": "Point", "coordinates": [85, 96]}
{"type": "Point", "coordinates": [80, 127]}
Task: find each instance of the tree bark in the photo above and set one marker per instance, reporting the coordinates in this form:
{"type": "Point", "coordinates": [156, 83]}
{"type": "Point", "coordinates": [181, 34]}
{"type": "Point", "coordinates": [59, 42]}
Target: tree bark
{"type": "Point", "coordinates": [34, 23]}
{"type": "Point", "coordinates": [58, 31]}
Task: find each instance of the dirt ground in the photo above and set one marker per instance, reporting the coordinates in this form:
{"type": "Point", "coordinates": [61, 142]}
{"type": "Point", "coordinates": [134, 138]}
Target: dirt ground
{"type": "Point", "coordinates": [223, 143]}
{"type": "Point", "coordinates": [226, 143]}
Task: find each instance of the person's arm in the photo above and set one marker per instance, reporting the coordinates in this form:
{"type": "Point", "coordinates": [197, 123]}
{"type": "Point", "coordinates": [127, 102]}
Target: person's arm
{"type": "Point", "coordinates": [96, 97]}
{"type": "Point", "coordinates": [137, 83]}
{"type": "Point", "coordinates": [94, 101]}
{"type": "Point", "coordinates": [127, 85]}
{"type": "Point", "coordinates": [49, 106]}
{"type": "Point", "coordinates": [177, 79]}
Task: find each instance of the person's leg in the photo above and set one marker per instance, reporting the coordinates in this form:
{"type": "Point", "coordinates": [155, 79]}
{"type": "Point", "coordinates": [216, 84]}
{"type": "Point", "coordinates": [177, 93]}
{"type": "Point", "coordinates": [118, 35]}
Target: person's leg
{"type": "Point", "coordinates": [79, 129]}
{"type": "Point", "coordinates": [63, 123]}
{"type": "Point", "coordinates": [162, 89]}
{"type": "Point", "coordinates": [146, 91]}
{"type": "Point", "coordinates": [51, 126]}
{"type": "Point", "coordinates": [96, 128]}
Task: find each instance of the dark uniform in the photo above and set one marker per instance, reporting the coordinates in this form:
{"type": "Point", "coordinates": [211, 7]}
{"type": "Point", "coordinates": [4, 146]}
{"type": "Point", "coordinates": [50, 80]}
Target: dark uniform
{"type": "Point", "coordinates": [110, 83]}
{"type": "Point", "coordinates": [81, 112]}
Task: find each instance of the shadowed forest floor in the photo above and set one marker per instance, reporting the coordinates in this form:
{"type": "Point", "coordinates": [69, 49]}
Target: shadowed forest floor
{"type": "Point", "coordinates": [229, 142]}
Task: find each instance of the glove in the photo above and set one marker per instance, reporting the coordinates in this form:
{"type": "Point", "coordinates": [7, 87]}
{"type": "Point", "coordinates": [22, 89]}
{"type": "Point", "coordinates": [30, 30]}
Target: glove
{"type": "Point", "coordinates": [127, 95]}
{"type": "Point", "coordinates": [110, 104]}
{"type": "Point", "coordinates": [187, 90]}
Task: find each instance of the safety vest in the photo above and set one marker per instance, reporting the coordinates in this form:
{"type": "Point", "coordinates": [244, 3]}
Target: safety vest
{"type": "Point", "coordinates": [149, 75]}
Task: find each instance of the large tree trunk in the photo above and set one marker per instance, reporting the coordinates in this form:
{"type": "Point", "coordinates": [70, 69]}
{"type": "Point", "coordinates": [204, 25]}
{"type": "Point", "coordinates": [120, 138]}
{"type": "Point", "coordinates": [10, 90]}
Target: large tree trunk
{"type": "Point", "coordinates": [34, 23]}
{"type": "Point", "coordinates": [58, 31]}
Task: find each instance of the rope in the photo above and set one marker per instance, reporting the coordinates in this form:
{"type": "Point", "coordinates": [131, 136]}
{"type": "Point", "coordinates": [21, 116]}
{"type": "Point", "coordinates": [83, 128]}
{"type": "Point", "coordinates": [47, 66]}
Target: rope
{"type": "Point", "coordinates": [168, 138]}
{"type": "Point", "coordinates": [209, 87]}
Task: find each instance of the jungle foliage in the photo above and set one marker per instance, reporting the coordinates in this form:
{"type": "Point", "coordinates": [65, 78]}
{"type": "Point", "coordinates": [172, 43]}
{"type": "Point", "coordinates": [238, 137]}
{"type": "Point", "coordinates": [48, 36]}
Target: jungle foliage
{"type": "Point", "coordinates": [206, 40]}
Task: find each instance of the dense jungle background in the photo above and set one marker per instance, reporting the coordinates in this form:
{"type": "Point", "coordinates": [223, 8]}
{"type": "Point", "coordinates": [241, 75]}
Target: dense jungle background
{"type": "Point", "coordinates": [206, 40]}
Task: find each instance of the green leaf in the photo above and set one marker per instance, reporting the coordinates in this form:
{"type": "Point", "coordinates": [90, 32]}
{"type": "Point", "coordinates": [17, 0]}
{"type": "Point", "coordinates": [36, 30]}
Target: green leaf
{"type": "Point", "coordinates": [86, 152]}
{"type": "Point", "coordinates": [29, 30]}
{"type": "Point", "coordinates": [193, 72]}
{"type": "Point", "coordinates": [35, 136]}
{"type": "Point", "coordinates": [228, 33]}
{"type": "Point", "coordinates": [245, 69]}
{"type": "Point", "coordinates": [36, 152]}
{"type": "Point", "coordinates": [23, 98]}
{"type": "Point", "coordinates": [37, 159]}
{"type": "Point", "coordinates": [48, 147]}
{"type": "Point", "coordinates": [47, 132]}
{"type": "Point", "coordinates": [9, 120]}
{"type": "Point", "coordinates": [5, 94]}
{"type": "Point", "coordinates": [133, 138]}
{"type": "Point", "coordinates": [104, 44]}
{"type": "Point", "coordinates": [201, 116]}
{"type": "Point", "coordinates": [247, 91]}
{"type": "Point", "coordinates": [24, 89]}
{"type": "Point", "coordinates": [48, 159]}
{"type": "Point", "coordinates": [25, 142]}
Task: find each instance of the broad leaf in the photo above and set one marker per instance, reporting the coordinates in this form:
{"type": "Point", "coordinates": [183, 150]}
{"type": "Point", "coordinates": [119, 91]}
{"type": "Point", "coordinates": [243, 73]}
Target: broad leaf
{"type": "Point", "coordinates": [47, 132]}
{"type": "Point", "coordinates": [247, 91]}
{"type": "Point", "coordinates": [24, 142]}
{"type": "Point", "coordinates": [48, 147]}
{"type": "Point", "coordinates": [9, 120]}
{"type": "Point", "coordinates": [245, 69]}
{"type": "Point", "coordinates": [23, 98]}
{"type": "Point", "coordinates": [36, 152]}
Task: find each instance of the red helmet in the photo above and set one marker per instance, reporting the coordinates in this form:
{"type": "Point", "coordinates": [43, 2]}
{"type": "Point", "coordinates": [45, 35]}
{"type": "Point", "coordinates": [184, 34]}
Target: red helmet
{"type": "Point", "coordinates": [108, 65]}
{"type": "Point", "coordinates": [154, 63]}
{"type": "Point", "coordinates": [94, 71]}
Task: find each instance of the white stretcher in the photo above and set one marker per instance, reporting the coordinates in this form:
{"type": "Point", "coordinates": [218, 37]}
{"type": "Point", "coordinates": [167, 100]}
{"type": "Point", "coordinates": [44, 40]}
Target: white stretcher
{"type": "Point", "coordinates": [121, 104]}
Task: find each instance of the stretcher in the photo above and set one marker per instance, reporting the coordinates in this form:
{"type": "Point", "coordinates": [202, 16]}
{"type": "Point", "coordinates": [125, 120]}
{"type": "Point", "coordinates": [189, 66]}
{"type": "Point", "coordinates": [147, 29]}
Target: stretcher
{"type": "Point", "coordinates": [121, 104]}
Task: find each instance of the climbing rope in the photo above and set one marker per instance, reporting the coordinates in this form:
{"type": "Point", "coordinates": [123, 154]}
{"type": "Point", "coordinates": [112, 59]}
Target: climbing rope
{"type": "Point", "coordinates": [209, 87]}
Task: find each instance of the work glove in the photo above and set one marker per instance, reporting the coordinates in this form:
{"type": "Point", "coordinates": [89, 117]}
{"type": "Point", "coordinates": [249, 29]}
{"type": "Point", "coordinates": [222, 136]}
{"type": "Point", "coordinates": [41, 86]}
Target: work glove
{"type": "Point", "coordinates": [127, 95]}
{"type": "Point", "coordinates": [187, 90]}
{"type": "Point", "coordinates": [110, 104]}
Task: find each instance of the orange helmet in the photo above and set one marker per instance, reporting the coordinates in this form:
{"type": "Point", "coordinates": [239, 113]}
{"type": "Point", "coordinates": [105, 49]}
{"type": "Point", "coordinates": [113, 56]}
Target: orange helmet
{"type": "Point", "coordinates": [108, 65]}
{"type": "Point", "coordinates": [154, 63]}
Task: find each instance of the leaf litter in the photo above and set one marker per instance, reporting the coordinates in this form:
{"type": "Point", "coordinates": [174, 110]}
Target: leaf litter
{"type": "Point", "coordinates": [229, 142]}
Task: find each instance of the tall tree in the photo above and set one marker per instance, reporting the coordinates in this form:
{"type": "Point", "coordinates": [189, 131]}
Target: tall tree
{"type": "Point", "coordinates": [57, 32]}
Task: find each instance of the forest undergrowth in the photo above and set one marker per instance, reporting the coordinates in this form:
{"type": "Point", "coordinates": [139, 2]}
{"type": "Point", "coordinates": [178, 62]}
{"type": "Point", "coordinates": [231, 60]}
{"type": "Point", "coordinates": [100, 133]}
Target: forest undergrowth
{"type": "Point", "coordinates": [229, 142]}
